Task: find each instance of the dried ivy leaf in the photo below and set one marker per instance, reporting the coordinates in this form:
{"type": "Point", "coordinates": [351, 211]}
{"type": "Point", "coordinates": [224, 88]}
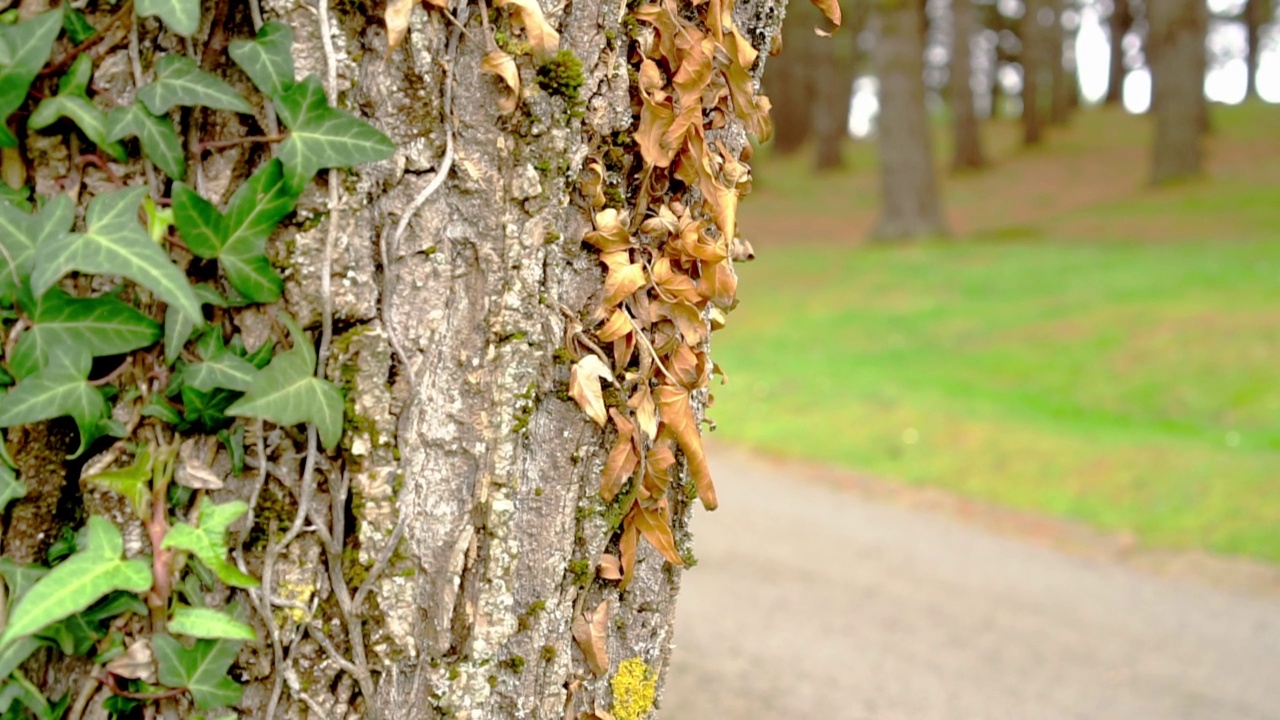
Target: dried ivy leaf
{"type": "Point", "coordinates": [617, 326]}
{"type": "Point", "coordinates": [584, 386]}
{"type": "Point", "coordinates": [655, 525]}
{"type": "Point", "coordinates": [622, 460]}
{"type": "Point", "coordinates": [25, 48]}
{"type": "Point", "coordinates": [504, 66]}
{"type": "Point", "coordinates": [591, 633]}
{"type": "Point", "coordinates": [397, 19]}
{"type": "Point", "coordinates": [692, 327]}
{"type": "Point", "coordinates": [610, 567]}
{"type": "Point", "coordinates": [646, 412]}
{"type": "Point", "coordinates": [621, 282]}
{"type": "Point", "coordinates": [611, 232]}
{"type": "Point", "coordinates": [831, 9]}
{"type": "Point", "coordinates": [135, 663]}
{"type": "Point", "coordinates": [627, 546]}
{"type": "Point", "coordinates": [542, 37]}
{"type": "Point", "coordinates": [677, 416]}
{"type": "Point", "coordinates": [181, 83]}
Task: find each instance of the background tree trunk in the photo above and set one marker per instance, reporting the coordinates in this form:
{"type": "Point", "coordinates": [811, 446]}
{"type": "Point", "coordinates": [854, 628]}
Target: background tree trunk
{"type": "Point", "coordinates": [967, 136]}
{"type": "Point", "coordinates": [1257, 13]}
{"type": "Point", "coordinates": [1033, 64]}
{"type": "Point", "coordinates": [792, 83]}
{"type": "Point", "coordinates": [1176, 47]}
{"type": "Point", "coordinates": [910, 203]}
{"type": "Point", "coordinates": [1063, 82]}
{"type": "Point", "coordinates": [1119, 22]}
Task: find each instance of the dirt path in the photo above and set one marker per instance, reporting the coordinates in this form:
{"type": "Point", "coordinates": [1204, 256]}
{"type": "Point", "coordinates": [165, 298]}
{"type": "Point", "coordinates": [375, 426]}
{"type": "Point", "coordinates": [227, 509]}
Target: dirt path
{"type": "Point", "coordinates": [813, 602]}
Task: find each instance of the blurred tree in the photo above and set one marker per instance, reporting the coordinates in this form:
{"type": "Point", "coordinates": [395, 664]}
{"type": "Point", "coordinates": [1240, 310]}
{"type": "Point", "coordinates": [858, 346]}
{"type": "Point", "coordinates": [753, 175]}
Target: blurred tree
{"type": "Point", "coordinates": [1257, 13]}
{"type": "Point", "coordinates": [1034, 40]}
{"type": "Point", "coordinates": [910, 203]}
{"type": "Point", "coordinates": [1176, 49]}
{"type": "Point", "coordinates": [1063, 83]}
{"type": "Point", "coordinates": [968, 139]}
{"type": "Point", "coordinates": [1120, 21]}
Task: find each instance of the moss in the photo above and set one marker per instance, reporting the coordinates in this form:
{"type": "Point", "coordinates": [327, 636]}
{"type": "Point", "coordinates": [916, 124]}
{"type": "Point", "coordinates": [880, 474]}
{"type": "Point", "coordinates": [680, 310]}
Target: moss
{"type": "Point", "coordinates": [634, 688]}
{"type": "Point", "coordinates": [552, 237]}
{"type": "Point", "coordinates": [548, 653]}
{"type": "Point", "coordinates": [562, 356]}
{"type": "Point", "coordinates": [352, 571]}
{"type": "Point", "coordinates": [515, 664]}
{"type": "Point", "coordinates": [580, 570]}
{"type": "Point", "coordinates": [613, 198]}
{"type": "Point", "coordinates": [537, 492]}
{"type": "Point", "coordinates": [454, 673]}
{"type": "Point", "coordinates": [562, 75]}
{"type": "Point", "coordinates": [525, 621]}
{"type": "Point", "coordinates": [493, 681]}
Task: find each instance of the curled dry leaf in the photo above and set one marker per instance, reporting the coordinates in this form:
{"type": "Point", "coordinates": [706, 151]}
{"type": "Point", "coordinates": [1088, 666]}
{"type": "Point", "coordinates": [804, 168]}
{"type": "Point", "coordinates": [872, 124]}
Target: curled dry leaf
{"type": "Point", "coordinates": [397, 18]}
{"type": "Point", "coordinates": [627, 550]}
{"type": "Point", "coordinates": [621, 282]}
{"type": "Point", "coordinates": [617, 326]}
{"type": "Point", "coordinates": [610, 567]}
{"type": "Point", "coordinates": [831, 9]}
{"type": "Point", "coordinates": [504, 66]}
{"type": "Point", "coordinates": [591, 633]}
{"type": "Point", "coordinates": [646, 412]}
{"type": "Point", "coordinates": [611, 233]}
{"type": "Point", "coordinates": [623, 458]}
{"type": "Point", "coordinates": [584, 386]}
{"type": "Point", "coordinates": [655, 525]}
{"type": "Point", "coordinates": [135, 663]}
{"type": "Point", "coordinates": [192, 471]}
{"type": "Point", "coordinates": [592, 184]}
{"type": "Point", "coordinates": [542, 37]}
{"type": "Point", "coordinates": [677, 416]}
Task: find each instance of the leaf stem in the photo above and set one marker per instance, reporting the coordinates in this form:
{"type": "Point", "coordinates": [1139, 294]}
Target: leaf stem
{"type": "Point", "coordinates": [219, 144]}
{"type": "Point", "coordinates": [65, 61]}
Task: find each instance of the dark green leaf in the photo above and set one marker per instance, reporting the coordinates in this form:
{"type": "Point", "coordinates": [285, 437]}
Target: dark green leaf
{"type": "Point", "coordinates": [201, 670]}
{"type": "Point", "coordinates": [287, 392]}
{"type": "Point", "coordinates": [60, 324]}
{"type": "Point", "coordinates": [234, 442]}
{"type": "Point", "coordinates": [21, 234]}
{"type": "Point", "coordinates": [77, 26]}
{"type": "Point", "coordinates": [267, 59]}
{"type": "Point", "coordinates": [180, 16]}
{"type": "Point", "coordinates": [10, 488]}
{"type": "Point", "coordinates": [160, 142]}
{"type": "Point", "coordinates": [24, 48]}
{"type": "Point", "coordinates": [72, 103]}
{"type": "Point", "coordinates": [158, 408]}
{"type": "Point", "coordinates": [115, 244]}
{"type": "Point", "coordinates": [206, 410]}
{"type": "Point", "coordinates": [208, 541]}
{"type": "Point", "coordinates": [322, 137]}
{"type": "Point", "coordinates": [55, 391]}
{"type": "Point", "coordinates": [221, 367]}
{"type": "Point", "coordinates": [180, 82]}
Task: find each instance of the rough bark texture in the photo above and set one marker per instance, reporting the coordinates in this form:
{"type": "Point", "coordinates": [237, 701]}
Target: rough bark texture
{"type": "Point", "coordinates": [910, 202]}
{"type": "Point", "coordinates": [968, 139]}
{"type": "Point", "coordinates": [1119, 23]}
{"type": "Point", "coordinates": [1176, 47]}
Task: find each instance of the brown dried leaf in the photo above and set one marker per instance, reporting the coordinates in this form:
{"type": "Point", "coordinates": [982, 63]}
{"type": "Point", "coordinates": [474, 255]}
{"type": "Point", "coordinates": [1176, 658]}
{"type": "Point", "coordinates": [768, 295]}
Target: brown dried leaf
{"type": "Point", "coordinates": [646, 412]}
{"type": "Point", "coordinates": [655, 525]}
{"type": "Point", "coordinates": [584, 386]}
{"type": "Point", "coordinates": [397, 18]}
{"type": "Point", "coordinates": [611, 233]}
{"type": "Point", "coordinates": [687, 319]}
{"type": "Point", "coordinates": [542, 37]}
{"type": "Point", "coordinates": [677, 416]}
{"type": "Point", "coordinates": [135, 663]}
{"type": "Point", "coordinates": [591, 633]}
{"type": "Point", "coordinates": [627, 548]}
{"type": "Point", "coordinates": [623, 458]}
{"type": "Point", "coordinates": [593, 184]}
{"type": "Point", "coordinates": [192, 471]}
{"type": "Point", "coordinates": [831, 9]}
{"type": "Point", "coordinates": [621, 281]}
{"type": "Point", "coordinates": [610, 567]}
{"type": "Point", "coordinates": [719, 284]}
{"type": "Point", "coordinates": [504, 66]}
{"type": "Point", "coordinates": [617, 326]}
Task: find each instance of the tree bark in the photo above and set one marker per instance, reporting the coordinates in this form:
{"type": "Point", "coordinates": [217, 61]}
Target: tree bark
{"type": "Point", "coordinates": [1063, 82]}
{"type": "Point", "coordinates": [461, 444]}
{"type": "Point", "coordinates": [1119, 23]}
{"type": "Point", "coordinates": [967, 136]}
{"type": "Point", "coordinates": [1176, 46]}
{"type": "Point", "coordinates": [910, 202]}
{"type": "Point", "coordinates": [1033, 64]}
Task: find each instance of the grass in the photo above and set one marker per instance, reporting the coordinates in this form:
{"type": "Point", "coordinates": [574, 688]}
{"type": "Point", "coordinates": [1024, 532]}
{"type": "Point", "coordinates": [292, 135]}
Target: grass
{"type": "Point", "coordinates": [1087, 348]}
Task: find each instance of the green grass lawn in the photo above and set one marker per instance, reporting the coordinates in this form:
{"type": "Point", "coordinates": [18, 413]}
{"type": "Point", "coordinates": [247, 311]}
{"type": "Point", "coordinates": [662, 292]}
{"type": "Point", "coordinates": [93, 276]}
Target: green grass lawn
{"type": "Point", "coordinates": [1112, 356]}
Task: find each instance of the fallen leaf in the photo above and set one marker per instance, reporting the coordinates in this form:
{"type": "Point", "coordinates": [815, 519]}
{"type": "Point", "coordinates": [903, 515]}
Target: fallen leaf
{"type": "Point", "coordinates": [677, 415]}
{"type": "Point", "coordinates": [610, 567]}
{"type": "Point", "coordinates": [504, 66]}
{"type": "Point", "coordinates": [622, 460]}
{"type": "Point", "coordinates": [542, 37]}
{"type": "Point", "coordinates": [646, 412]}
{"type": "Point", "coordinates": [584, 386]}
{"type": "Point", "coordinates": [397, 18]}
{"type": "Point", "coordinates": [655, 525]}
{"type": "Point", "coordinates": [591, 633]}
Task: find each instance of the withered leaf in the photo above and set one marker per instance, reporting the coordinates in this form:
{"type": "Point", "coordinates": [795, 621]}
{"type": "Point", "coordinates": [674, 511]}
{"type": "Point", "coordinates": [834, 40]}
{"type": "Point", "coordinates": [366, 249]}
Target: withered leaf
{"type": "Point", "coordinates": [192, 472]}
{"type": "Point", "coordinates": [627, 548]}
{"type": "Point", "coordinates": [831, 9]}
{"type": "Point", "coordinates": [646, 412]}
{"type": "Point", "coordinates": [592, 184]}
{"type": "Point", "coordinates": [591, 633]}
{"type": "Point", "coordinates": [623, 458]}
{"type": "Point", "coordinates": [135, 663]}
{"type": "Point", "coordinates": [611, 233]}
{"type": "Point", "coordinates": [719, 284]}
{"type": "Point", "coordinates": [618, 325]}
{"type": "Point", "coordinates": [621, 281]}
{"type": "Point", "coordinates": [610, 567]}
{"type": "Point", "coordinates": [687, 319]}
{"type": "Point", "coordinates": [677, 416]}
{"type": "Point", "coordinates": [584, 386]}
{"type": "Point", "coordinates": [655, 525]}
{"type": "Point", "coordinates": [673, 284]}
{"type": "Point", "coordinates": [397, 18]}
{"type": "Point", "coordinates": [504, 66]}
{"type": "Point", "coordinates": [542, 37]}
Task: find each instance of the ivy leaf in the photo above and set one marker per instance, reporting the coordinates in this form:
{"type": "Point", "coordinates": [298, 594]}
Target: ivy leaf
{"type": "Point", "coordinates": [238, 239]}
{"type": "Point", "coordinates": [72, 103]}
{"type": "Point", "coordinates": [132, 483]}
{"type": "Point", "coordinates": [208, 541]}
{"type": "Point", "coordinates": [19, 689]}
{"type": "Point", "coordinates": [21, 234]}
{"type": "Point", "coordinates": [160, 142]}
{"type": "Point", "coordinates": [201, 670]}
{"type": "Point", "coordinates": [178, 328]}
{"type": "Point", "coordinates": [19, 578]}
{"type": "Point", "coordinates": [180, 16]}
{"type": "Point", "coordinates": [77, 634]}
{"type": "Point", "coordinates": [287, 392]}
{"type": "Point", "coordinates": [114, 243]}
{"type": "Point", "coordinates": [180, 82]}
{"type": "Point", "coordinates": [14, 654]}
{"type": "Point", "coordinates": [267, 59]}
{"type": "Point", "coordinates": [10, 488]}
{"type": "Point", "coordinates": [60, 324]}
{"type": "Point", "coordinates": [223, 369]}
{"type": "Point", "coordinates": [209, 624]}
{"type": "Point", "coordinates": [206, 410]}
{"type": "Point", "coordinates": [57, 390]}
{"type": "Point", "coordinates": [77, 26]}
{"type": "Point", "coordinates": [323, 137]}
{"type": "Point", "coordinates": [79, 582]}
{"type": "Point", "coordinates": [24, 49]}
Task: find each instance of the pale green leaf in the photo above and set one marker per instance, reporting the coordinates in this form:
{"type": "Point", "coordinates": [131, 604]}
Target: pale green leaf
{"type": "Point", "coordinates": [180, 16]}
{"type": "Point", "coordinates": [201, 670]}
{"type": "Point", "coordinates": [178, 328]}
{"type": "Point", "coordinates": [287, 392]}
{"type": "Point", "coordinates": [24, 49]}
{"type": "Point", "coordinates": [78, 27]}
{"type": "Point", "coordinates": [224, 369]}
{"type": "Point", "coordinates": [15, 653]}
{"type": "Point", "coordinates": [18, 578]}
{"type": "Point", "coordinates": [180, 82]}
{"type": "Point", "coordinates": [21, 690]}
{"type": "Point", "coordinates": [160, 142]}
{"type": "Point", "coordinates": [115, 243]}
{"type": "Point", "coordinates": [132, 483]}
{"type": "Point", "coordinates": [10, 488]}
{"type": "Point", "coordinates": [55, 391]}
{"type": "Point", "coordinates": [78, 582]}
{"type": "Point", "coordinates": [267, 59]}
{"type": "Point", "coordinates": [209, 624]}
{"type": "Point", "coordinates": [238, 239]}
{"type": "Point", "coordinates": [21, 234]}
{"type": "Point", "coordinates": [60, 324]}
{"type": "Point", "coordinates": [323, 137]}
{"type": "Point", "coordinates": [207, 542]}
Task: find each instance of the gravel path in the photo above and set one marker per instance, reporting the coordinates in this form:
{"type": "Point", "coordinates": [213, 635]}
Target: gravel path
{"type": "Point", "coordinates": [810, 602]}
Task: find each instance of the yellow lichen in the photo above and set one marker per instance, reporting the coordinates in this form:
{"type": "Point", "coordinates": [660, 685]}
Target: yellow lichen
{"type": "Point", "coordinates": [634, 688]}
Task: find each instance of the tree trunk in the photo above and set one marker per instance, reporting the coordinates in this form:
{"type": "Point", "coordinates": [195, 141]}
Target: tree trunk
{"type": "Point", "coordinates": [467, 471]}
{"type": "Point", "coordinates": [1176, 46]}
{"type": "Point", "coordinates": [1063, 82]}
{"type": "Point", "coordinates": [910, 202]}
{"type": "Point", "coordinates": [968, 138]}
{"type": "Point", "coordinates": [1119, 22]}
{"type": "Point", "coordinates": [840, 61]}
{"type": "Point", "coordinates": [1033, 64]}
{"type": "Point", "coordinates": [792, 83]}
{"type": "Point", "coordinates": [1256, 14]}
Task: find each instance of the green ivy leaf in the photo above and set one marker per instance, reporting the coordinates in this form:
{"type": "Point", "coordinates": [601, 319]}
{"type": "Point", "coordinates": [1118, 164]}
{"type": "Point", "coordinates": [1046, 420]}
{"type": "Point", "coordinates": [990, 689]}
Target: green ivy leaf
{"type": "Point", "coordinates": [206, 410]}
{"type": "Point", "coordinates": [79, 582]}
{"type": "Point", "coordinates": [132, 483]}
{"type": "Point", "coordinates": [57, 390]}
{"type": "Point", "coordinates": [180, 82]}
{"type": "Point", "coordinates": [77, 26]}
{"type": "Point", "coordinates": [287, 392]}
{"type": "Point", "coordinates": [19, 689]}
{"type": "Point", "coordinates": [201, 670]}
{"type": "Point", "coordinates": [72, 103]}
{"type": "Point", "coordinates": [160, 142]}
{"type": "Point", "coordinates": [14, 654]}
{"type": "Point", "coordinates": [100, 326]}
{"type": "Point", "coordinates": [10, 488]}
{"type": "Point", "coordinates": [79, 633]}
{"type": "Point", "coordinates": [114, 243]}
{"type": "Point", "coordinates": [238, 239]}
{"type": "Point", "coordinates": [21, 234]}
{"type": "Point", "coordinates": [234, 442]}
{"type": "Point", "coordinates": [24, 49]}
{"type": "Point", "coordinates": [267, 59]}
{"type": "Point", "coordinates": [180, 16]}
{"type": "Point", "coordinates": [209, 624]}
{"type": "Point", "coordinates": [17, 197]}
{"type": "Point", "coordinates": [208, 542]}
{"type": "Point", "coordinates": [220, 369]}
{"type": "Point", "coordinates": [178, 328]}
{"type": "Point", "coordinates": [323, 137]}
{"type": "Point", "coordinates": [18, 578]}
{"type": "Point", "coordinates": [158, 408]}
